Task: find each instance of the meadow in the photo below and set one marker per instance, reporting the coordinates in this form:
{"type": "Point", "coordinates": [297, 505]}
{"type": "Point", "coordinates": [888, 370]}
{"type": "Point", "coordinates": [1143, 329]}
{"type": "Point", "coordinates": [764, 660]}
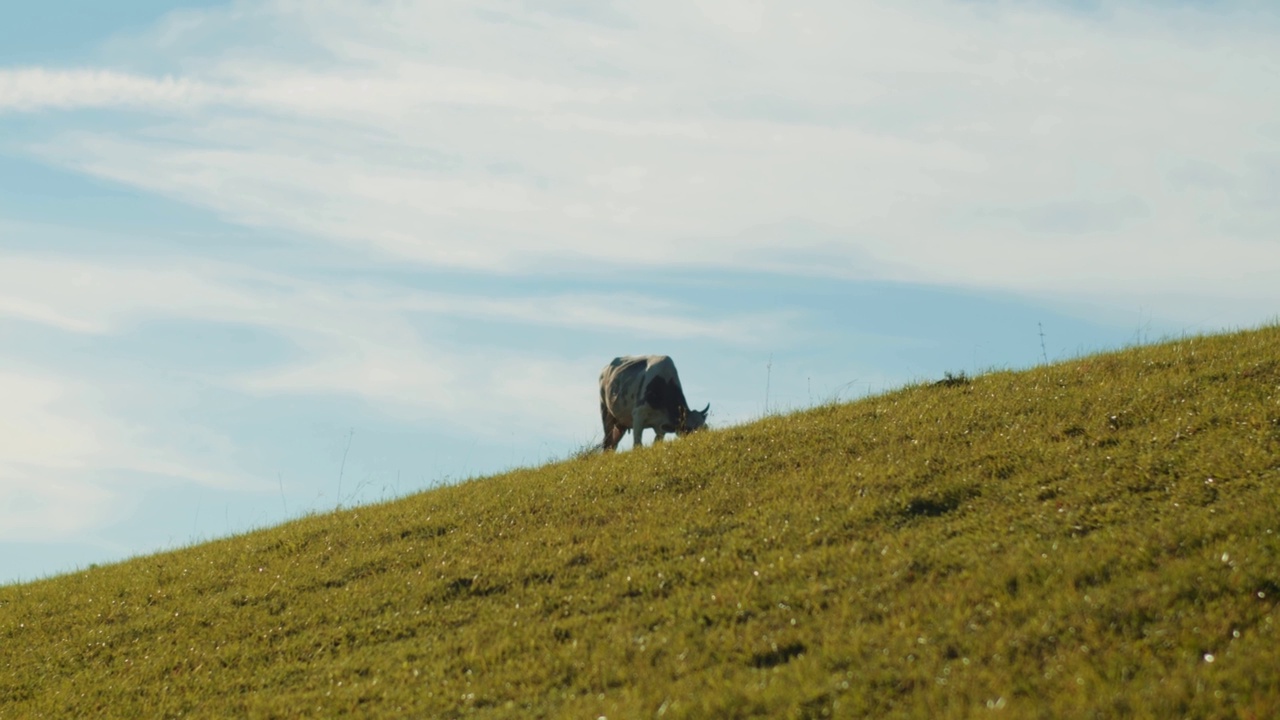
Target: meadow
{"type": "Point", "coordinates": [1098, 537]}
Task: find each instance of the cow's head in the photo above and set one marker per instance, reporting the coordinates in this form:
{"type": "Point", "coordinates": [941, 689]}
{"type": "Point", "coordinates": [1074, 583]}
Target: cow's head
{"type": "Point", "coordinates": [692, 420]}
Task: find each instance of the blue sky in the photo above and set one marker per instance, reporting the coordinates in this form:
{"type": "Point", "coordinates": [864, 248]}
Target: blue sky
{"type": "Point", "coordinates": [263, 258]}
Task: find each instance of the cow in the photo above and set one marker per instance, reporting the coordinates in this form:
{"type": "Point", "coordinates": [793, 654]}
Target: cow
{"type": "Point", "coordinates": [638, 392]}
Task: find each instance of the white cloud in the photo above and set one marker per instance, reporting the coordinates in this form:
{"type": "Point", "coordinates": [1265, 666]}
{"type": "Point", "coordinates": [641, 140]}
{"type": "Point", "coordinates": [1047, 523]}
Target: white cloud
{"type": "Point", "coordinates": [14, 305]}
{"type": "Point", "coordinates": [624, 313]}
{"type": "Point", "coordinates": [33, 433]}
{"type": "Point", "coordinates": [484, 394]}
{"type": "Point", "coordinates": [1114, 154]}
{"type": "Point", "coordinates": [35, 507]}
{"type": "Point", "coordinates": [99, 297]}
{"type": "Point", "coordinates": [983, 145]}
{"type": "Point", "coordinates": [742, 16]}
{"type": "Point", "coordinates": [96, 296]}
{"type": "Point", "coordinates": [58, 445]}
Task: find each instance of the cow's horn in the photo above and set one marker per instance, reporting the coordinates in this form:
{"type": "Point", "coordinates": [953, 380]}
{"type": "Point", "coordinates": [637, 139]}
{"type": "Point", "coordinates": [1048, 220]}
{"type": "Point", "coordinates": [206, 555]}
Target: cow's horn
{"type": "Point", "coordinates": [705, 409]}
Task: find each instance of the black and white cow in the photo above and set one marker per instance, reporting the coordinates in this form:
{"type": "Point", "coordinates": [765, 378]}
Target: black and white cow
{"type": "Point", "coordinates": [638, 392]}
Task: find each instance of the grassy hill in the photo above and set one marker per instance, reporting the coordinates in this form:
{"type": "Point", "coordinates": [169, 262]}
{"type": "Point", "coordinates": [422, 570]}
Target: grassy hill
{"type": "Point", "coordinates": [1096, 538]}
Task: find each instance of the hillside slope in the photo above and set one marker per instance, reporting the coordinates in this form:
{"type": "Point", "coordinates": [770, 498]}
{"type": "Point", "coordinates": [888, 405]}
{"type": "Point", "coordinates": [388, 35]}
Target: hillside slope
{"type": "Point", "coordinates": [1099, 537]}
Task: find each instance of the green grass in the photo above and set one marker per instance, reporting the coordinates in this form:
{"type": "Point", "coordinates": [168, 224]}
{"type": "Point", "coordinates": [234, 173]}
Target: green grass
{"type": "Point", "coordinates": [1095, 538]}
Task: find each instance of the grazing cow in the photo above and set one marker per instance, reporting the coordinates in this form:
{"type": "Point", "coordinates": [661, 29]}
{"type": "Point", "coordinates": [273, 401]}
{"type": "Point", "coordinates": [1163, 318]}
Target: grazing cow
{"type": "Point", "coordinates": [644, 392]}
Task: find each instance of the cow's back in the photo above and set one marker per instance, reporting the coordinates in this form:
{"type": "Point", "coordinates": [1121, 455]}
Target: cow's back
{"type": "Point", "coordinates": [623, 380]}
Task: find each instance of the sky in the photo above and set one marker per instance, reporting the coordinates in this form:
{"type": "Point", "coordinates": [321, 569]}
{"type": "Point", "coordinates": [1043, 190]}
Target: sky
{"type": "Point", "coordinates": [271, 257]}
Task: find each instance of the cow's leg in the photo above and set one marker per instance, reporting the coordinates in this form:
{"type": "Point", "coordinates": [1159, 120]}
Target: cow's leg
{"type": "Point", "coordinates": [658, 435]}
{"type": "Point", "coordinates": [612, 432]}
{"type": "Point", "coordinates": [641, 418]}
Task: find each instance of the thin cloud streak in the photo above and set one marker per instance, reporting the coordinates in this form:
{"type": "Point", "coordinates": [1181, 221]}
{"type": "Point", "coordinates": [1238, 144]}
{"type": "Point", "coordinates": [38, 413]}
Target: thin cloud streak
{"type": "Point", "coordinates": [61, 440]}
{"type": "Point", "coordinates": [39, 89]}
{"type": "Point", "coordinates": [101, 297]}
